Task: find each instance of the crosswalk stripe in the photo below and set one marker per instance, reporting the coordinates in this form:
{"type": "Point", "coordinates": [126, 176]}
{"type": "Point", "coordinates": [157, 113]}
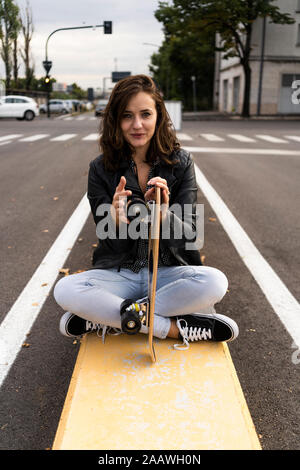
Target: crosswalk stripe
{"type": "Point", "coordinates": [212, 137]}
{"type": "Point", "coordinates": [63, 137]}
{"type": "Point", "coordinates": [181, 136]}
{"type": "Point", "coordinates": [6, 142]}
{"type": "Point", "coordinates": [241, 138]}
{"type": "Point", "coordinates": [33, 138]}
{"type": "Point", "coordinates": [242, 151]}
{"type": "Point", "coordinates": [296, 138]}
{"type": "Point", "coordinates": [10, 136]}
{"type": "Point", "coordinates": [272, 139]}
{"type": "Point", "coordinates": [91, 137]}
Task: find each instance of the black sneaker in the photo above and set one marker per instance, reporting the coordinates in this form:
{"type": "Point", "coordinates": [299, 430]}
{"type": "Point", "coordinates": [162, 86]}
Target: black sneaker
{"type": "Point", "coordinates": [205, 327]}
{"type": "Point", "coordinates": [71, 325]}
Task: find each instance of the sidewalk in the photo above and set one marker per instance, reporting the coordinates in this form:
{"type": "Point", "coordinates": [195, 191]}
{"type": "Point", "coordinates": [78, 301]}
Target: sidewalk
{"type": "Point", "coordinates": [221, 116]}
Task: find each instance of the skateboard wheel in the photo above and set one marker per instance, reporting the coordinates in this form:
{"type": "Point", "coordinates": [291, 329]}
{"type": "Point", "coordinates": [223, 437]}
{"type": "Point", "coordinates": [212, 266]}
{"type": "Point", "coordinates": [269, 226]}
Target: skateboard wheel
{"type": "Point", "coordinates": [130, 320]}
{"type": "Point", "coordinates": [130, 323]}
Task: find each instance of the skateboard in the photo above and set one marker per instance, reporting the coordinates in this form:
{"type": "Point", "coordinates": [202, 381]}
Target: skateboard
{"type": "Point", "coordinates": [134, 315]}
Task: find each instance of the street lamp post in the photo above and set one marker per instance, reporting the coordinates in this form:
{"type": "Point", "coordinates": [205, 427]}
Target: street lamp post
{"type": "Point", "coordinates": [107, 28]}
{"type": "Point", "coordinates": [150, 44]}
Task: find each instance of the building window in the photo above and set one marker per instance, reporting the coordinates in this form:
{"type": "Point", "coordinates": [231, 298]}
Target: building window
{"type": "Point", "coordinates": [298, 36]}
{"type": "Point", "coordinates": [287, 79]}
{"type": "Point", "coordinates": [298, 6]}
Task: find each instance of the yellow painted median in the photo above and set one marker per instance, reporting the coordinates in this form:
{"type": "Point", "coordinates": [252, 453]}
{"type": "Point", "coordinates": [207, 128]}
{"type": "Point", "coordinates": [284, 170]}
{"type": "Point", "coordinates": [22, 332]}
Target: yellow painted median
{"type": "Point", "coordinates": [119, 399]}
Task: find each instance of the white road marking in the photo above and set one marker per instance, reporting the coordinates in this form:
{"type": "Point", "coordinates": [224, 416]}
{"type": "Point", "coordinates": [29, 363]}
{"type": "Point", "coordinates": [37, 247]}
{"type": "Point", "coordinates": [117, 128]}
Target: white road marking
{"type": "Point", "coordinates": [241, 138]}
{"type": "Point", "coordinates": [242, 151]}
{"type": "Point", "coordinates": [33, 138]}
{"type": "Point", "coordinates": [272, 139]}
{"type": "Point", "coordinates": [10, 136]}
{"type": "Point", "coordinates": [284, 304]}
{"type": "Point", "coordinates": [181, 136]}
{"type": "Point", "coordinates": [63, 137]}
{"type": "Point", "coordinates": [296, 138]}
{"type": "Point", "coordinates": [212, 137]}
{"type": "Point", "coordinates": [63, 116]}
{"type": "Point", "coordinates": [91, 137]}
{"type": "Point", "coordinates": [6, 142]}
{"type": "Point", "coordinates": [19, 320]}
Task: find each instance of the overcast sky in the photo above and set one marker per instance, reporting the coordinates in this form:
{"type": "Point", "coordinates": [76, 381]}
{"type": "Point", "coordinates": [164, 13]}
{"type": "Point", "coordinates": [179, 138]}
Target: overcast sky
{"type": "Point", "coordinates": [86, 56]}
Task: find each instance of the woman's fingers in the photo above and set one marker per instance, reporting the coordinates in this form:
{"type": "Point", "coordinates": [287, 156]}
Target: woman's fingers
{"type": "Point", "coordinates": [121, 194]}
{"type": "Point", "coordinates": [118, 213]}
{"type": "Point", "coordinates": [122, 184]}
{"type": "Point", "coordinates": [160, 183]}
{"type": "Point", "coordinates": [119, 201]}
{"type": "Point", "coordinates": [157, 180]}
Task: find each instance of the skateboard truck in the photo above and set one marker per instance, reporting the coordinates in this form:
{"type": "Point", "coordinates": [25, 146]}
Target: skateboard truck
{"type": "Point", "coordinates": [133, 316]}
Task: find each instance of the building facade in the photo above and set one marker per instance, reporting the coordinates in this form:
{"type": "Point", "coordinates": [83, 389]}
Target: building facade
{"type": "Point", "coordinates": [56, 86]}
{"type": "Point", "coordinates": [273, 73]}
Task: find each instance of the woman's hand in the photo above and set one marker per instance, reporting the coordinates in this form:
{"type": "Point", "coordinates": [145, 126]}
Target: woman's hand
{"type": "Point", "coordinates": [119, 201]}
{"type": "Point", "coordinates": [150, 194]}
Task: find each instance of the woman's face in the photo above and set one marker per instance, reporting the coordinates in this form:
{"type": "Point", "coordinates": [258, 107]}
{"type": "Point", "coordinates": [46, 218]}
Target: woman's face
{"type": "Point", "coordinates": [139, 120]}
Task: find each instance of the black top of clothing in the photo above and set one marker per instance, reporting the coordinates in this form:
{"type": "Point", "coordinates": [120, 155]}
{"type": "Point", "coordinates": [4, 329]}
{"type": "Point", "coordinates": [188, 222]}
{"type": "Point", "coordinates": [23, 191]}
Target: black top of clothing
{"type": "Point", "coordinates": [181, 181]}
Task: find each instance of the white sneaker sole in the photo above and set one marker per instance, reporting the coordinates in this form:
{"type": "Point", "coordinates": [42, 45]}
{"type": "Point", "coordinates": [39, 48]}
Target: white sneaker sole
{"type": "Point", "coordinates": [63, 324]}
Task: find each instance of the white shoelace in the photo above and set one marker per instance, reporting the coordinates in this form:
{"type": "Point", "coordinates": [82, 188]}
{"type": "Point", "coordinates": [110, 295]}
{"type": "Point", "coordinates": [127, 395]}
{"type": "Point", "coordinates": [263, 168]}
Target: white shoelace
{"type": "Point", "coordinates": [191, 334]}
{"type": "Point", "coordinates": [91, 326]}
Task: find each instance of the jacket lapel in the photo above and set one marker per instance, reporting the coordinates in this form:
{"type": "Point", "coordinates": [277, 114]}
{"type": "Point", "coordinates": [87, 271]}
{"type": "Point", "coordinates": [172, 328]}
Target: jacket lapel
{"type": "Point", "coordinates": [164, 171]}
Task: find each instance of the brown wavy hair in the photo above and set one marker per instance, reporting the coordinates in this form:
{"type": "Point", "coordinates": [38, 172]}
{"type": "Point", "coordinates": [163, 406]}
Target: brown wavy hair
{"type": "Point", "coordinates": [112, 143]}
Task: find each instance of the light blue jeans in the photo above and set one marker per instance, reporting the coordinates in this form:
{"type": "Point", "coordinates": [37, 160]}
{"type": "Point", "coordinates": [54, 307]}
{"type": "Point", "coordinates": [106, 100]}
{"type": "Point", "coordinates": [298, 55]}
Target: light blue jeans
{"type": "Point", "coordinates": [96, 295]}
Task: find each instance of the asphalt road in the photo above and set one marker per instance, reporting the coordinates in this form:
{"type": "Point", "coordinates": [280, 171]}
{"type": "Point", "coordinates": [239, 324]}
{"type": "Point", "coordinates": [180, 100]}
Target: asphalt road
{"type": "Point", "coordinates": [43, 181]}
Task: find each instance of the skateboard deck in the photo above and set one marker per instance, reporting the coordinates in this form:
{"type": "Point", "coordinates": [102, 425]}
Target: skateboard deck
{"type": "Point", "coordinates": [153, 253]}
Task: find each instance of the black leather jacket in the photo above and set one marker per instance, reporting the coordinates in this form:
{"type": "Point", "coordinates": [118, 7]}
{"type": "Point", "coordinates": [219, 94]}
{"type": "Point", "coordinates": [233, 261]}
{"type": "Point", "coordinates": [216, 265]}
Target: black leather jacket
{"type": "Point", "coordinates": [183, 190]}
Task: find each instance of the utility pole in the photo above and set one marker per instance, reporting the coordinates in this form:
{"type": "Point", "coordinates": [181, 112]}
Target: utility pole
{"type": "Point", "coordinates": [193, 78]}
{"type": "Point", "coordinates": [107, 29]}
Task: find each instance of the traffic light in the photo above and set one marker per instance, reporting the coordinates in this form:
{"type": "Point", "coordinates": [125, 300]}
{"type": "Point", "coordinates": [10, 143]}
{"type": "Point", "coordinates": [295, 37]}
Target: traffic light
{"type": "Point", "coordinates": [47, 84]}
{"type": "Point", "coordinates": [107, 27]}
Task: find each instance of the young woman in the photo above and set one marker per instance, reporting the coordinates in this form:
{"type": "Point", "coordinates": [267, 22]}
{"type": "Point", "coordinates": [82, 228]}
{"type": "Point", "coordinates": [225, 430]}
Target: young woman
{"type": "Point", "coordinates": [139, 151]}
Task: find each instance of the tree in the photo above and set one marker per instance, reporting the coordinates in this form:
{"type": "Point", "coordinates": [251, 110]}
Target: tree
{"type": "Point", "coordinates": [77, 92]}
{"type": "Point", "coordinates": [9, 28]}
{"type": "Point", "coordinates": [27, 30]}
{"type": "Point", "coordinates": [183, 54]}
{"type": "Point", "coordinates": [232, 19]}
{"type": "Point", "coordinates": [15, 63]}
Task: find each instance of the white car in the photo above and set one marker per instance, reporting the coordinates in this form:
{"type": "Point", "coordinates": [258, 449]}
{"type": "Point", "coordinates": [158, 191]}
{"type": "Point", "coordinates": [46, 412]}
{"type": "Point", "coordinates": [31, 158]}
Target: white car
{"type": "Point", "coordinates": [69, 105]}
{"type": "Point", "coordinates": [56, 106]}
{"type": "Point", "coordinates": [20, 107]}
